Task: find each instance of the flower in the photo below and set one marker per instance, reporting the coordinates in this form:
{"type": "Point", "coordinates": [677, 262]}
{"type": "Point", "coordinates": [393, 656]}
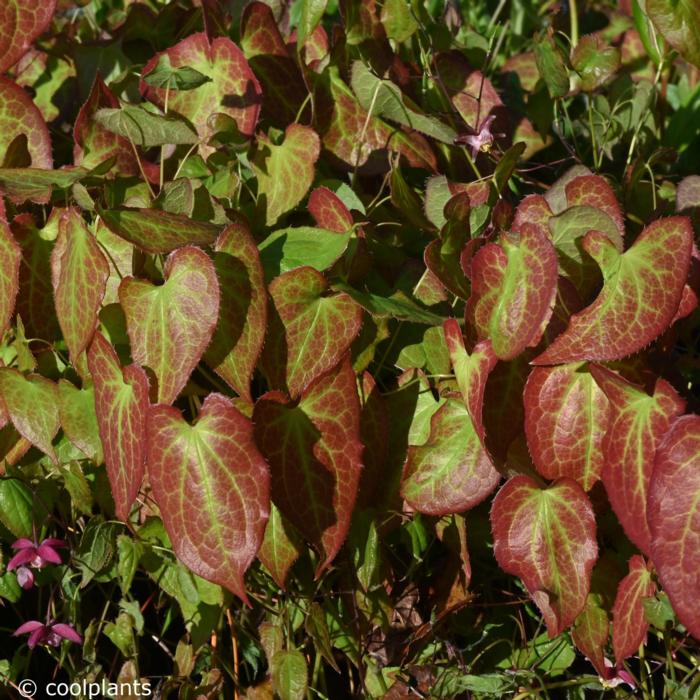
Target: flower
{"type": "Point", "coordinates": [50, 633]}
{"type": "Point", "coordinates": [481, 139]}
{"type": "Point", "coordinates": [25, 577]}
{"type": "Point", "coordinates": [35, 555]}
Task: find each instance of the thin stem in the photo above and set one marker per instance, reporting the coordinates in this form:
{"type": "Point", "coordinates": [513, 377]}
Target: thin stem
{"type": "Point", "coordinates": [162, 148]}
{"type": "Point", "coordinates": [234, 642]}
{"type": "Point", "coordinates": [573, 17]}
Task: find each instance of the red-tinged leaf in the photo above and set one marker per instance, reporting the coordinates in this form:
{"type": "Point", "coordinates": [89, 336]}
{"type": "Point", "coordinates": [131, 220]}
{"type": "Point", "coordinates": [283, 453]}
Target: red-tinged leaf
{"type": "Point", "coordinates": [629, 621]}
{"type": "Point", "coordinates": [212, 486]}
{"type": "Point", "coordinates": [314, 451]}
{"type": "Point", "coordinates": [80, 271]}
{"type": "Point", "coordinates": [283, 86]}
{"type": "Point", "coordinates": [285, 172]}
{"type": "Point", "coordinates": [156, 231]}
{"type": "Point", "coordinates": [638, 423]}
{"type": "Point", "coordinates": [533, 209]}
{"type": "Point", "coordinates": [547, 537]}
{"type": "Point", "coordinates": [93, 142]}
{"type": "Point", "coordinates": [18, 115]}
{"type": "Point", "coordinates": [328, 211]}
{"type": "Point", "coordinates": [688, 194]}
{"type": "Point", "coordinates": [121, 406]}
{"type": "Point", "coordinates": [20, 23]}
{"type": "Point", "coordinates": [32, 404]}
{"type": "Point", "coordinates": [76, 410]}
{"type": "Point", "coordinates": [641, 293]}
{"type": "Point", "coordinates": [673, 513]}
{"type": "Point", "coordinates": [524, 66]}
{"type": "Point", "coordinates": [316, 48]}
{"type": "Point", "coordinates": [35, 298]}
{"type": "Point", "coordinates": [556, 194]}
{"type": "Point", "coordinates": [310, 331]}
{"type": "Point", "coordinates": [10, 259]}
{"type": "Point", "coordinates": [566, 416]}
{"type": "Point", "coordinates": [452, 472]}
{"type": "Point", "coordinates": [471, 370]}
{"type": "Point", "coordinates": [233, 89]}
{"type": "Point", "coordinates": [514, 284]}
{"type": "Point", "coordinates": [120, 259]}
{"type": "Point", "coordinates": [281, 546]}
{"type": "Point", "coordinates": [594, 191]}
{"type": "Point", "coordinates": [238, 339]}
{"type": "Point", "coordinates": [170, 325]}
{"type": "Point", "coordinates": [590, 633]}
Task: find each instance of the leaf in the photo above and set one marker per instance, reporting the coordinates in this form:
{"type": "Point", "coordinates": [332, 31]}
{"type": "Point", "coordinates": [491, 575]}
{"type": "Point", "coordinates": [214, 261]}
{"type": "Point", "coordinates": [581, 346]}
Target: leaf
{"type": "Point", "coordinates": [329, 211]}
{"type": "Point", "coordinates": [387, 100]}
{"type": "Point", "coordinates": [233, 89]}
{"type": "Point", "coordinates": [79, 275]}
{"type": "Point", "coordinates": [93, 142]}
{"type": "Point", "coordinates": [281, 546]}
{"type": "Point", "coordinates": [594, 61]}
{"type": "Point", "coordinates": [398, 20]}
{"type": "Point", "coordinates": [593, 191]}
{"type": "Point", "coordinates": [673, 513]}
{"type": "Point", "coordinates": [591, 631]}
{"type": "Point", "coordinates": [78, 487]}
{"type": "Point", "coordinates": [566, 417]}
{"type": "Point", "coordinates": [514, 285]}
{"type": "Point", "coordinates": [16, 507]}
{"type": "Point", "coordinates": [289, 675]}
{"type": "Point", "coordinates": [547, 538]}
{"type": "Point", "coordinates": [76, 410]}
{"type": "Point", "coordinates": [164, 75]}
{"type": "Point", "coordinates": [637, 424]}
{"type": "Point", "coordinates": [32, 404]}
{"type": "Point", "coordinates": [144, 128]}
{"type": "Point", "coordinates": [452, 472]}
{"type": "Point", "coordinates": [156, 231]}
{"type": "Point", "coordinates": [21, 22]}
{"type": "Point", "coordinates": [312, 328]}
{"type": "Point", "coordinates": [678, 22]}
{"type": "Point", "coordinates": [311, 14]}
{"type": "Point", "coordinates": [129, 552]}
{"type": "Point", "coordinates": [212, 487]}
{"type": "Point", "coordinates": [10, 259]}
{"type": "Point", "coordinates": [551, 67]}
{"type": "Point", "coordinates": [240, 331]}
{"type": "Point", "coordinates": [170, 325]}
{"type": "Point", "coordinates": [96, 549]}
{"type": "Point", "coordinates": [18, 115]}
{"type": "Point", "coordinates": [285, 171]}
{"type": "Point", "coordinates": [629, 620]}
{"type": "Point", "coordinates": [641, 293]}
{"type": "Point", "coordinates": [314, 451]}
{"type": "Point", "coordinates": [290, 248]}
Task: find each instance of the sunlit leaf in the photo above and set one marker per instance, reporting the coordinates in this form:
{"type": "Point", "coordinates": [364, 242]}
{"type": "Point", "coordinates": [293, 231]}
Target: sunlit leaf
{"type": "Point", "coordinates": [21, 22]}
{"type": "Point", "coordinates": [144, 128]}
{"type": "Point", "coordinates": [10, 258]}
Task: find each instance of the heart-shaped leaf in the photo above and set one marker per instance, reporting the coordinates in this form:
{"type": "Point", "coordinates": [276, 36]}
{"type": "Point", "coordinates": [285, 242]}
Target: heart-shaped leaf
{"type": "Point", "coordinates": [593, 191]}
{"type": "Point", "coordinates": [121, 405]}
{"type": "Point", "coordinates": [76, 410]}
{"type": "Point", "coordinates": [547, 537]}
{"type": "Point", "coordinates": [629, 621]}
{"type": "Point", "coordinates": [285, 171]}
{"type": "Point", "coordinates": [310, 330]}
{"type": "Point", "coordinates": [182, 78]}
{"type": "Point", "coordinates": [673, 513]}
{"type": "Point", "coordinates": [143, 128]}
{"type": "Point", "coordinates": [638, 423]}
{"type": "Point", "coordinates": [170, 325]}
{"type": "Point", "coordinates": [514, 284]}
{"type": "Point", "coordinates": [281, 546]}
{"type": "Point", "coordinates": [10, 259]}
{"type": "Point", "coordinates": [315, 455]}
{"type": "Point", "coordinates": [19, 115]}
{"type": "Point", "coordinates": [566, 416]}
{"type": "Point", "coordinates": [233, 89]}
{"type": "Point", "coordinates": [533, 209]}
{"type": "Point", "coordinates": [79, 275]}
{"type": "Point", "coordinates": [329, 211]}
{"type": "Point", "coordinates": [156, 231]}
{"type": "Point", "coordinates": [20, 23]}
{"type": "Point", "coordinates": [678, 22]}
{"type": "Point", "coordinates": [641, 293]}
{"type": "Point", "coordinates": [240, 331]}
{"type": "Point", "coordinates": [212, 487]}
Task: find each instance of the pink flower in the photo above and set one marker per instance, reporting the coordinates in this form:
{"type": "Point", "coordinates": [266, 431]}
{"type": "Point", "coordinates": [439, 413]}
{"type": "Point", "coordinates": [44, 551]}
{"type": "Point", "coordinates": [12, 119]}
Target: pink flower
{"type": "Point", "coordinates": [25, 577]}
{"type": "Point", "coordinates": [481, 139]}
{"type": "Point", "coordinates": [35, 555]}
{"type": "Point", "coordinates": [51, 633]}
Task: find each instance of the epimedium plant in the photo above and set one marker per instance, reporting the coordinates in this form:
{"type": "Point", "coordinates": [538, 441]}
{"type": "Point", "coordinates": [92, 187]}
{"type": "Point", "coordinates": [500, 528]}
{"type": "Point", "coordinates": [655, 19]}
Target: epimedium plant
{"type": "Point", "coordinates": [350, 351]}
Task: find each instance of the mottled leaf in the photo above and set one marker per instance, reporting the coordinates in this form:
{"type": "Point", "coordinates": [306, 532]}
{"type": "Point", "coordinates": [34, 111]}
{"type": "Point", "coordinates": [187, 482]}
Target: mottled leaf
{"type": "Point", "coordinates": [329, 211]}
{"type": "Point", "coordinates": [212, 486]}
{"type": "Point", "coordinates": [76, 409]}
{"type": "Point", "coordinates": [170, 325]}
{"type": "Point", "coordinates": [641, 293]}
{"type": "Point", "coordinates": [10, 259]}
{"type": "Point", "coordinates": [592, 191]}
{"type": "Point", "coordinates": [673, 513]}
{"type": "Point", "coordinates": [314, 451]}
{"type": "Point", "coordinates": [144, 128]}
{"type": "Point", "coordinates": [20, 23]}
{"type": "Point", "coordinates": [591, 631]}
{"type": "Point", "coordinates": [547, 538]}
{"type": "Point", "coordinates": [281, 546]}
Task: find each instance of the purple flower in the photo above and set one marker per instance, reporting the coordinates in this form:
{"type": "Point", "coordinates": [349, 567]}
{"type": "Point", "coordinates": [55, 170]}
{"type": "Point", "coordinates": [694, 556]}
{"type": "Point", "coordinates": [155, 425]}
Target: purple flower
{"type": "Point", "coordinates": [481, 139]}
{"type": "Point", "coordinates": [35, 555]}
{"type": "Point", "coordinates": [50, 633]}
{"type": "Point", "coordinates": [25, 577]}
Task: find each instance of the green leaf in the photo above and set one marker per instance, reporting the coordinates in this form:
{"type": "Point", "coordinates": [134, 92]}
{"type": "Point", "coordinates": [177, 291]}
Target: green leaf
{"type": "Point", "coordinates": [182, 78]}
{"type": "Point", "coordinates": [281, 546]}
{"type": "Point", "coordinates": [679, 23]}
{"type": "Point", "coordinates": [129, 552]}
{"type": "Point", "coordinates": [78, 487]}
{"type": "Point", "coordinates": [311, 14]}
{"type": "Point", "coordinates": [76, 409]}
{"type": "Point", "coordinates": [10, 260]}
{"type": "Point", "coordinates": [21, 184]}
{"type": "Point", "coordinates": [145, 128]}
{"type": "Point", "coordinates": [16, 507]}
{"type": "Point", "coordinates": [290, 248]}
{"type": "Point", "coordinates": [289, 675]}
{"type": "Point", "coordinates": [96, 549]}
{"type": "Point", "coordinates": [398, 20]}
{"type": "Point", "coordinates": [387, 100]}
{"type": "Point", "coordinates": [595, 61]}
{"type": "Point", "coordinates": [551, 67]}
{"type": "Point", "coordinates": [285, 172]}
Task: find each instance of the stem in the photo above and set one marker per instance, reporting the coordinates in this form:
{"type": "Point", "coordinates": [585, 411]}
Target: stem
{"type": "Point", "coordinates": [162, 148]}
{"type": "Point", "coordinates": [234, 643]}
{"type": "Point", "coordinates": [141, 170]}
{"type": "Point", "coordinates": [573, 16]}
{"type": "Point", "coordinates": [596, 165]}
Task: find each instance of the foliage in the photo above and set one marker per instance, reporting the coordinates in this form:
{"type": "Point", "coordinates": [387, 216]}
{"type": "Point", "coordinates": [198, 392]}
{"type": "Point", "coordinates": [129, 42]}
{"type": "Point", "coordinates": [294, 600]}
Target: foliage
{"type": "Point", "coordinates": [350, 349]}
